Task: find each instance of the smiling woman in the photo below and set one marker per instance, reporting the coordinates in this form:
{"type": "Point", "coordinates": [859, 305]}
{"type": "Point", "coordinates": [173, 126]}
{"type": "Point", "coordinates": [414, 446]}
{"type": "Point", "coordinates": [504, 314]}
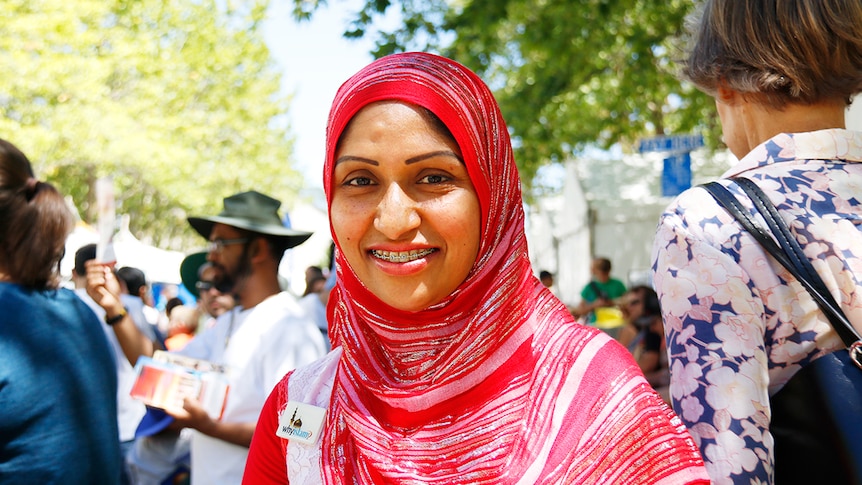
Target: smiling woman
{"type": "Point", "coordinates": [452, 363]}
{"type": "Point", "coordinates": [404, 206]}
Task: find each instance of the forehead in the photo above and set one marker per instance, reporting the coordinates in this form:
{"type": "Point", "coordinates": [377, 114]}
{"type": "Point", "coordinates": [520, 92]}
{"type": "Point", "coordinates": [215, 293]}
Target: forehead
{"type": "Point", "coordinates": [381, 114]}
{"type": "Point", "coordinates": [383, 132]}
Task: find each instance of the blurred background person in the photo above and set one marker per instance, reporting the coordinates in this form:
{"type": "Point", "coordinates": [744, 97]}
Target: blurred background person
{"type": "Point", "coordinates": [313, 276]}
{"type": "Point", "coordinates": [58, 386]}
{"type": "Point", "coordinates": [598, 306]}
{"type": "Point", "coordinates": [182, 326]}
{"type": "Point", "coordinates": [129, 410]}
{"type": "Point", "coordinates": [199, 277]}
{"type": "Point", "coordinates": [133, 282]}
{"type": "Point", "coordinates": [313, 300]}
{"type": "Point", "coordinates": [547, 278]}
{"type": "Point", "coordinates": [171, 304]}
{"type": "Point", "coordinates": [643, 335]}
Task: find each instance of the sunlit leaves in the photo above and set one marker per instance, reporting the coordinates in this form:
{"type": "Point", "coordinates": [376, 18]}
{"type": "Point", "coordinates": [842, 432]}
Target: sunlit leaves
{"type": "Point", "coordinates": [570, 75]}
{"type": "Point", "coordinates": [177, 100]}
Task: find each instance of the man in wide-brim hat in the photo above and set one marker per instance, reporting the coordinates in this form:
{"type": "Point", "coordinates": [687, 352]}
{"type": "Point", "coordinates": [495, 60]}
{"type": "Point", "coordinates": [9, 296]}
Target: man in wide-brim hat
{"type": "Point", "coordinates": [248, 220]}
{"type": "Point", "coordinates": [266, 335]}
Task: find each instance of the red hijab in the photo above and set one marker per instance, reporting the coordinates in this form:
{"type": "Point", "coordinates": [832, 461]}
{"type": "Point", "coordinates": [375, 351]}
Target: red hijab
{"type": "Point", "coordinates": [467, 390]}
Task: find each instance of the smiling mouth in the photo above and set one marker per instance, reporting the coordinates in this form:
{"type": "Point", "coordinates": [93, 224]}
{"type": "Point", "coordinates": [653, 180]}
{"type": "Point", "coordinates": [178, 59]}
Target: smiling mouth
{"type": "Point", "coordinates": [401, 256]}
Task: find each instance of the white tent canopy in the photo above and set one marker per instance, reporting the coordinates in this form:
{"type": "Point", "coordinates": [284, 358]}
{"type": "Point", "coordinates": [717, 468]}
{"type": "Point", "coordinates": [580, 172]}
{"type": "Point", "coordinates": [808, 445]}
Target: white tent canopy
{"type": "Point", "coordinates": [159, 265]}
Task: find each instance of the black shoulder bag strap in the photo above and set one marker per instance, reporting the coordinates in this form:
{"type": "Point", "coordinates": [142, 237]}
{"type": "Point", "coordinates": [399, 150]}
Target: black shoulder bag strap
{"type": "Point", "coordinates": [787, 251]}
{"type": "Point", "coordinates": [817, 416]}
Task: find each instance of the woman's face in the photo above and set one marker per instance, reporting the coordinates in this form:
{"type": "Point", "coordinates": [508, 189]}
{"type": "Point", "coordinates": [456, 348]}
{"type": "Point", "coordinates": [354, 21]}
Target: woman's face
{"type": "Point", "coordinates": [632, 306]}
{"type": "Point", "coordinates": [403, 207]}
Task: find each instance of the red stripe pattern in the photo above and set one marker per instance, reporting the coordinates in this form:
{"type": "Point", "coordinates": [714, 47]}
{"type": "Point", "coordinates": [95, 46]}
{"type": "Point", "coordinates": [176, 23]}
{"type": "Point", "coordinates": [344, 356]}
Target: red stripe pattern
{"type": "Point", "coordinates": [495, 384]}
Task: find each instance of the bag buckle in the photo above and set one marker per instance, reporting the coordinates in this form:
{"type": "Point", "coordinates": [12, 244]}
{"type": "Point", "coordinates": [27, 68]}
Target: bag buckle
{"type": "Point", "coordinates": [855, 351]}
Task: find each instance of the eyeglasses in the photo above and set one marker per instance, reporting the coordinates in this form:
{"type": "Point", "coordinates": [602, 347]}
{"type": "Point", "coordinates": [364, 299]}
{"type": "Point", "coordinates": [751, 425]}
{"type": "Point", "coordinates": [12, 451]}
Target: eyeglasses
{"type": "Point", "coordinates": [217, 245]}
{"type": "Point", "coordinates": [204, 285]}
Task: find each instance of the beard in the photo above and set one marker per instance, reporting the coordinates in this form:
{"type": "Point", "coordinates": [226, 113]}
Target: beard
{"type": "Point", "coordinates": [232, 282]}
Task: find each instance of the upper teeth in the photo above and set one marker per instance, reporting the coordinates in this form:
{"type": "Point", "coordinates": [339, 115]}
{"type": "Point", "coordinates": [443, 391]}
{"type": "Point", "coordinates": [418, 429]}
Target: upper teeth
{"type": "Point", "coordinates": [401, 256]}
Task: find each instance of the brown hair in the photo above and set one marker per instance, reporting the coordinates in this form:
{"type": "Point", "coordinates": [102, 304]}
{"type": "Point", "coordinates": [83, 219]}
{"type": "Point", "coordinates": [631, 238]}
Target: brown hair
{"type": "Point", "coordinates": [778, 52]}
{"type": "Point", "coordinates": [34, 223]}
{"type": "Point", "coordinates": [602, 264]}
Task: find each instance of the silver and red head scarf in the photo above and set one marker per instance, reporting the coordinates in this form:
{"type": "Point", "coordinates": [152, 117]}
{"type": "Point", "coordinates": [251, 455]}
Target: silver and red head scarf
{"type": "Point", "coordinates": [443, 342]}
{"type": "Point", "coordinates": [490, 384]}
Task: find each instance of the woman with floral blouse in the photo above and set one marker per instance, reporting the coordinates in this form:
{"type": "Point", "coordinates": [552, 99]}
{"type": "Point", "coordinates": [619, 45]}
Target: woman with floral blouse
{"type": "Point", "coordinates": [738, 326]}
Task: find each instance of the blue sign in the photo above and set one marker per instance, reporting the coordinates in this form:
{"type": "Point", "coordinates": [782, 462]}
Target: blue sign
{"type": "Point", "coordinates": [676, 176]}
{"type": "Point", "coordinates": [678, 143]}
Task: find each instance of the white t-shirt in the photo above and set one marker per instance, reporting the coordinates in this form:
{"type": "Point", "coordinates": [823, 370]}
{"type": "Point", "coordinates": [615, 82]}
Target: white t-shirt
{"type": "Point", "coordinates": [263, 344]}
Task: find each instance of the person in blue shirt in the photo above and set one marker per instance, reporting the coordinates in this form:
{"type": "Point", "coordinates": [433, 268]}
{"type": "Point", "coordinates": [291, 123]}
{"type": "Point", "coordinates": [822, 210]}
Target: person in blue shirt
{"type": "Point", "coordinates": [58, 385]}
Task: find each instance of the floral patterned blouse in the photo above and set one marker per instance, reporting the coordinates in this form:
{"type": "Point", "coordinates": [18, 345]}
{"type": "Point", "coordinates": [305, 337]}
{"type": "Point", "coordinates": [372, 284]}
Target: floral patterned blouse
{"type": "Point", "coordinates": [738, 326]}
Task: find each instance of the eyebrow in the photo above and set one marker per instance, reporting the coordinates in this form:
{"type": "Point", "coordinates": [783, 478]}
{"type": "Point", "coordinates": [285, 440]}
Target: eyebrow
{"type": "Point", "coordinates": [440, 153]}
{"type": "Point", "coordinates": [418, 158]}
{"type": "Point", "coordinates": [351, 158]}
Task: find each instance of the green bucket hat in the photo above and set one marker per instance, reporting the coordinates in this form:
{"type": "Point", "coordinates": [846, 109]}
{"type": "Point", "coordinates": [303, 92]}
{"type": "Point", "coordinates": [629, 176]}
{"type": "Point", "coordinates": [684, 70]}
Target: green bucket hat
{"type": "Point", "coordinates": [190, 270]}
{"type": "Point", "coordinates": [253, 212]}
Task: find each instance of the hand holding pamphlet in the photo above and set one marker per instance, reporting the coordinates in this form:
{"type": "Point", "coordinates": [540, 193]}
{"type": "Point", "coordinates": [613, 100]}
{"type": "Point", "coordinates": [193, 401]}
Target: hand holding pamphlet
{"type": "Point", "coordinates": [166, 379]}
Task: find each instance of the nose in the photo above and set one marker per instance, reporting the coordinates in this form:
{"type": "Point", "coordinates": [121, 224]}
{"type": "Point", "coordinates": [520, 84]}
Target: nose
{"type": "Point", "coordinates": [396, 213]}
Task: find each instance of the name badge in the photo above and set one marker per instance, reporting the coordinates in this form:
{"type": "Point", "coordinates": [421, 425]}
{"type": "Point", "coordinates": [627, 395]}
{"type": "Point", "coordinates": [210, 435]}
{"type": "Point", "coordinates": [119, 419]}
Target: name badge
{"type": "Point", "coordinates": [301, 422]}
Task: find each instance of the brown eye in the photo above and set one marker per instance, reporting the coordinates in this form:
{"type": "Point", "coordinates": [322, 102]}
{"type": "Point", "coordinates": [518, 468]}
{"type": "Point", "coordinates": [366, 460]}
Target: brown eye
{"type": "Point", "coordinates": [358, 181]}
{"type": "Point", "coordinates": [434, 179]}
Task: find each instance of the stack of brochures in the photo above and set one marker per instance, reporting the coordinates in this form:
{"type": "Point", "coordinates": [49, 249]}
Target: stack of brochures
{"type": "Point", "coordinates": [166, 379]}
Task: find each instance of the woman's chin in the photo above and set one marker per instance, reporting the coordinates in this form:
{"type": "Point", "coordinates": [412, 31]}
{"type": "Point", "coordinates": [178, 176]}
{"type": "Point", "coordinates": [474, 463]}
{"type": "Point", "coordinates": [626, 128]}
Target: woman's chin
{"type": "Point", "coordinates": [404, 298]}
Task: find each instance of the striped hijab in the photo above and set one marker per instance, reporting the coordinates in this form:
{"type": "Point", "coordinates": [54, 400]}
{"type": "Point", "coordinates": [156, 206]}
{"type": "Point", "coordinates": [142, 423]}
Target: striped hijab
{"type": "Point", "coordinates": [489, 385]}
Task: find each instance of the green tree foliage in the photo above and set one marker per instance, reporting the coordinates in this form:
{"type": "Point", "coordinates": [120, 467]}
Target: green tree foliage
{"type": "Point", "coordinates": [178, 101]}
{"type": "Point", "coordinates": [570, 75]}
